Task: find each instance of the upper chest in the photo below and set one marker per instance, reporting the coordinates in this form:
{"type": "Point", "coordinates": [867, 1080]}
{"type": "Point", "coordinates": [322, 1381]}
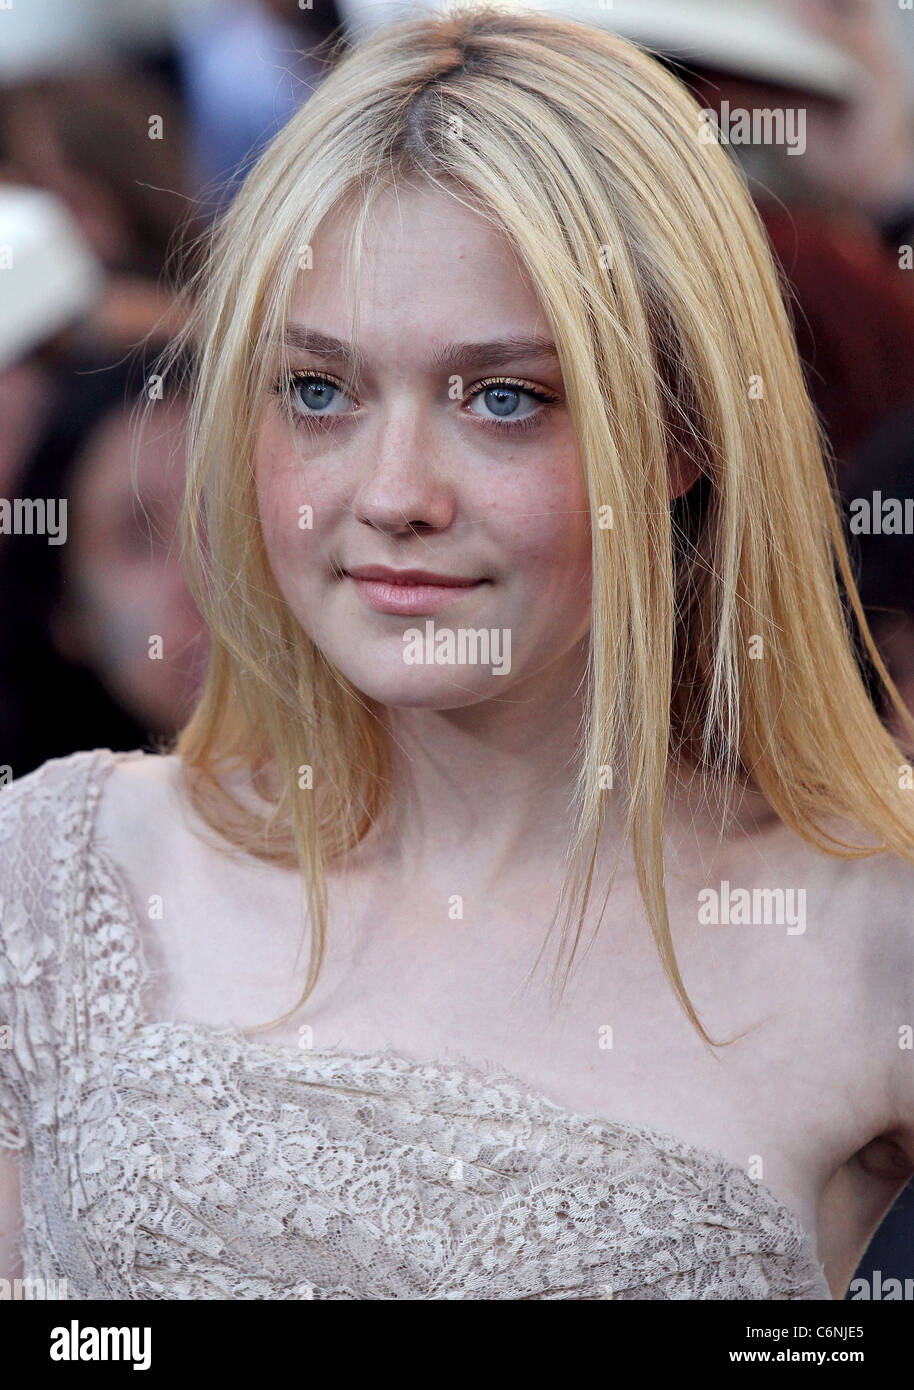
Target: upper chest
{"type": "Point", "coordinates": [433, 973]}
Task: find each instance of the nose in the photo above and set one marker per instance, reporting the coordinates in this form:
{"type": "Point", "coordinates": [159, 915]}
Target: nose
{"type": "Point", "coordinates": [405, 484]}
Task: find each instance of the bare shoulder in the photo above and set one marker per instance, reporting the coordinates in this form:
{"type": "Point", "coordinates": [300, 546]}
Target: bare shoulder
{"type": "Point", "coordinates": [829, 941]}
{"type": "Point", "coordinates": [138, 803]}
{"type": "Point", "coordinates": [858, 913]}
{"type": "Point", "coordinates": [146, 795]}
{"type": "Point", "coordinates": [147, 825]}
{"type": "Point", "coordinates": [132, 775]}
{"type": "Point", "coordinates": [859, 906]}
{"type": "Point", "coordinates": [855, 910]}
{"type": "Point", "coordinates": [872, 908]}
{"type": "Point", "coordinates": [862, 911]}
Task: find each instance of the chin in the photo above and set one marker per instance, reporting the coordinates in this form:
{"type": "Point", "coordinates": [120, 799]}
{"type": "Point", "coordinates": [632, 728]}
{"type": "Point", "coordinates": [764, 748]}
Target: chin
{"type": "Point", "coordinates": [442, 689]}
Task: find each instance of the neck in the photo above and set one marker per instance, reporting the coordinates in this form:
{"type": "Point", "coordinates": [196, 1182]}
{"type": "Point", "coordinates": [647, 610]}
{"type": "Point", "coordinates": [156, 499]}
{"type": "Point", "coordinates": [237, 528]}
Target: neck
{"type": "Point", "coordinates": [489, 787]}
{"type": "Point", "coordinates": [491, 782]}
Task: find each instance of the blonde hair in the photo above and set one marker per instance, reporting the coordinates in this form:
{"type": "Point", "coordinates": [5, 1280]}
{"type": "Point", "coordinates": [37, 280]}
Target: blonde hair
{"type": "Point", "coordinates": [669, 319]}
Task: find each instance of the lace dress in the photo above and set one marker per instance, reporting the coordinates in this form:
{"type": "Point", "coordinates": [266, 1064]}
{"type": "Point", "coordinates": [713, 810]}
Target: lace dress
{"type": "Point", "coordinates": [166, 1160]}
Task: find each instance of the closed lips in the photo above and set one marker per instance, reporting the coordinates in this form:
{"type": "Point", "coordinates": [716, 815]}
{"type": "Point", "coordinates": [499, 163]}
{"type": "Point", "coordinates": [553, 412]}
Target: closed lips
{"type": "Point", "coordinates": [409, 577]}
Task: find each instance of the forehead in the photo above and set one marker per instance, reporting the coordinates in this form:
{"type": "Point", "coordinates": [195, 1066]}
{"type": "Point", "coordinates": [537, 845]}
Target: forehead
{"type": "Point", "coordinates": [430, 268]}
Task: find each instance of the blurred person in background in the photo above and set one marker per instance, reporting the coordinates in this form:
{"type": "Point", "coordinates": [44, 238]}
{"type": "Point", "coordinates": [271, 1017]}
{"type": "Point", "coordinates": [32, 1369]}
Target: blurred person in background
{"type": "Point", "coordinates": [103, 640]}
{"type": "Point", "coordinates": [860, 152]}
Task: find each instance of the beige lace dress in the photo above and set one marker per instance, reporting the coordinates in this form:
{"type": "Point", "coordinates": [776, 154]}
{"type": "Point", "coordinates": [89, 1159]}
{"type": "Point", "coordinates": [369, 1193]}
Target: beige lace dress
{"type": "Point", "coordinates": [168, 1160]}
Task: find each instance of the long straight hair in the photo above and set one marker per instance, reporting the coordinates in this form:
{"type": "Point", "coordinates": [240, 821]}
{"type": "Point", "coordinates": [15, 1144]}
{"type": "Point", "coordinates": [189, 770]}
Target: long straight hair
{"type": "Point", "coordinates": [723, 628]}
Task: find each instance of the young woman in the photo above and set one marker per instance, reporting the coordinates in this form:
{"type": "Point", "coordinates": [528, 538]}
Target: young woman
{"type": "Point", "coordinates": [509, 517]}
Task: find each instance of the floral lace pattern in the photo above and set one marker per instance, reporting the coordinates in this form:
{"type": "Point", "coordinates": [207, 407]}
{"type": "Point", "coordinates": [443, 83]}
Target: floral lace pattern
{"type": "Point", "coordinates": [164, 1160]}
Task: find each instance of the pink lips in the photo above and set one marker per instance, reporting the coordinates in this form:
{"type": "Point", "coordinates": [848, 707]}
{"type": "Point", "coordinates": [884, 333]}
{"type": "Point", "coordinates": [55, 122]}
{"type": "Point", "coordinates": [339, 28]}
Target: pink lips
{"type": "Point", "coordinates": [408, 591]}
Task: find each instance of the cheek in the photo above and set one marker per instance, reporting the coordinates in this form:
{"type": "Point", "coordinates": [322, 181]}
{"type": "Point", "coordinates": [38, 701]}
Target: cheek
{"type": "Point", "coordinates": [291, 502]}
{"type": "Point", "coordinates": [543, 518]}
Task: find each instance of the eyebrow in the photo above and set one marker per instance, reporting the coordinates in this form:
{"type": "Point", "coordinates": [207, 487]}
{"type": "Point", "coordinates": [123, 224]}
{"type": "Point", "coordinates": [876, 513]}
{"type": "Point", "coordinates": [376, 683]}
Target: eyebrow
{"type": "Point", "coordinates": [455, 356]}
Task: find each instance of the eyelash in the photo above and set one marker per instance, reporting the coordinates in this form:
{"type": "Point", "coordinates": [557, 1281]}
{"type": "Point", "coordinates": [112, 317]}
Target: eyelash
{"type": "Point", "coordinates": [285, 385]}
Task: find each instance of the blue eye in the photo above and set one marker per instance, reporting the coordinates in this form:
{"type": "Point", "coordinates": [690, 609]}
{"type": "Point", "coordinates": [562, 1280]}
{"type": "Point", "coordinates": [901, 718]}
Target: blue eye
{"type": "Point", "coordinates": [502, 400]}
{"type": "Point", "coordinates": [503, 395]}
{"type": "Point", "coordinates": [505, 398]}
{"type": "Point", "coordinates": [310, 393]}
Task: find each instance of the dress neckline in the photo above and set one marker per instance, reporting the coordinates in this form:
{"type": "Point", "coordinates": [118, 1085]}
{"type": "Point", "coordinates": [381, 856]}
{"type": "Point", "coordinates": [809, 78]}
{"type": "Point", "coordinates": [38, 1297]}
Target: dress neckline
{"type": "Point", "coordinates": [463, 1070]}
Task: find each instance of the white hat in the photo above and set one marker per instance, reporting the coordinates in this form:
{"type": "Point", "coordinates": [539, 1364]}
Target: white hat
{"type": "Point", "coordinates": [49, 277]}
{"type": "Point", "coordinates": [758, 40]}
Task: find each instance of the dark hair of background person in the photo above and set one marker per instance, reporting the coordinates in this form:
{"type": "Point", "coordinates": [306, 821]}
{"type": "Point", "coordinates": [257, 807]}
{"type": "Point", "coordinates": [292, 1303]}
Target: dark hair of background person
{"type": "Point", "coordinates": [49, 706]}
{"type": "Point", "coordinates": [86, 138]}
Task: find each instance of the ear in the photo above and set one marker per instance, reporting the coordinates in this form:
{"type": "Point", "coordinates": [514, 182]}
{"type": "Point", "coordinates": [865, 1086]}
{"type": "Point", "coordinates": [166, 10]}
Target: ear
{"type": "Point", "coordinates": [683, 472]}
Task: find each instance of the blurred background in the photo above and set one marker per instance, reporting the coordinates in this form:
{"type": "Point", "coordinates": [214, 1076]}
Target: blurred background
{"type": "Point", "coordinates": [126, 124]}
